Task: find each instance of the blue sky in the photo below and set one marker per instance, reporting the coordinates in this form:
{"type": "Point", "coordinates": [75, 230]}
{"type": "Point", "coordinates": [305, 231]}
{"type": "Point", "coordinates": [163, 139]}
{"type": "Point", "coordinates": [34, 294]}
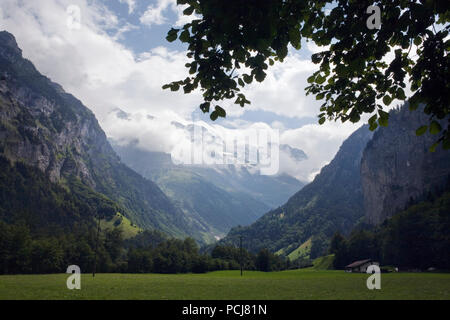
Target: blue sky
{"type": "Point", "coordinates": [144, 37]}
{"type": "Point", "coordinates": [119, 58]}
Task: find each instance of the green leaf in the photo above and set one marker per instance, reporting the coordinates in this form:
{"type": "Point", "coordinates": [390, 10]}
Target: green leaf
{"type": "Point", "coordinates": [373, 122]}
{"type": "Point", "coordinates": [205, 107]}
{"type": "Point", "coordinates": [373, 118]}
{"type": "Point", "coordinates": [322, 120]}
{"type": "Point", "coordinates": [311, 79]}
{"type": "Point", "coordinates": [248, 79]}
{"type": "Point", "coordinates": [320, 79]}
{"type": "Point", "coordinates": [435, 127]}
{"type": "Point", "coordinates": [354, 117]}
{"type": "Point", "coordinates": [221, 112]}
{"type": "Point", "coordinates": [446, 143]}
{"type": "Point", "coordinates": [421, 130]}
{"type": "Point", "coordinates": [193, 68]}
{"type": "Point", "coordinates": [185, 36]}
{"type": "Point", "coordinates": [401, 94]}
{"type": "Point", "coordinates": [175, 87]}
{"type": "Point", "coordinates": [414, 102]}
{"type": "Point", "coordinates": [294, 37]}
{"type": "Point", "coordinates": [383, 119]}
{"type": "Point", "coordinates": [241, 83]}
{"type": "Point", "coordinates": [214, 115]}
{"type": "Point", "coordinates": [188, 88]}
{"type": "Point", "coordinates": [320, 96]}
{"type": "Point", "coordinates": [316, 58]}
{"type": "Point", "coordinates": [260, 75]}
{"type": "Point", "coordinates": [433, 147]}
{"type": "Point", "coordinates": [387, 100]}
{"type": "Point", "coordinates": [417, 41]}
{"type": "Point", "coordinates": [373, 126]}
{"type": "Point", "coordinates": [188, 11]}
{"type": "Point", "coordinates": [172, 35]}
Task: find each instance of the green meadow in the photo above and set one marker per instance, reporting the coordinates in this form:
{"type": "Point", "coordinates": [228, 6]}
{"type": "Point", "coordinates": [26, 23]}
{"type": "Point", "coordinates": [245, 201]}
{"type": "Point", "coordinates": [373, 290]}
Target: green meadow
{"type": "Point", "coordinates": [229, 285]}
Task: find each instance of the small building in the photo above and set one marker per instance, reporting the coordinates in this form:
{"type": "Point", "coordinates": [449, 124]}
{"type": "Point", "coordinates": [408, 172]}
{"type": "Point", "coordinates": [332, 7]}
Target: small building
{"type": "Point", "coordinates": [360, 266]}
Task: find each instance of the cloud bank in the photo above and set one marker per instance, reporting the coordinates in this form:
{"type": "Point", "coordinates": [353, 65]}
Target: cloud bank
{"type": "Point", "coordinates": [93, 65]}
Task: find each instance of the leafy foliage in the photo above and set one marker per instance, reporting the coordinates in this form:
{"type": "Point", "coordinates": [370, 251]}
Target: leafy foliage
{"type": "Point", "coordinates": [353, 77]}
{"type": "Point", "coordinates": [417, 237]}
{"type": "Point", "coordinates": [44, 228]}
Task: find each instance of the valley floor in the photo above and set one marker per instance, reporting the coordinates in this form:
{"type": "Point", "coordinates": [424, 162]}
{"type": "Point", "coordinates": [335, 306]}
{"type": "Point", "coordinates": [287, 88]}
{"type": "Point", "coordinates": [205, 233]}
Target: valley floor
{"type": "Point", "coordinates": [228, 285]}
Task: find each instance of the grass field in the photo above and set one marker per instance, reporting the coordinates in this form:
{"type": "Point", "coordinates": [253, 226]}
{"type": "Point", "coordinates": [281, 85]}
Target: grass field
{"type": "Point", "coordinates": [228, 285]}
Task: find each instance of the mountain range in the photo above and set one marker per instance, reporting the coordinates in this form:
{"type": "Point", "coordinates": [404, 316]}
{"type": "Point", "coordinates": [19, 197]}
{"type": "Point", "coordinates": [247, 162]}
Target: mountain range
{"type": "Point", "coordinates": [332, 201]}
{"type": "Point", "coordinates": [372, 177]}
{"type": "Point", "coordinates": [44, 127]}
{"type": "Point", "coordinates": [221, 197]}
{"type": "Point", "coordinates": [60, 170]}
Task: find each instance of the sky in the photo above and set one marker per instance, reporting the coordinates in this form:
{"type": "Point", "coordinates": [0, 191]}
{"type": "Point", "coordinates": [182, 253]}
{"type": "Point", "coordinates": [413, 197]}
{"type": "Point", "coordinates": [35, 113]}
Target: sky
{"type": "Point", "coordinates": [117, 58]}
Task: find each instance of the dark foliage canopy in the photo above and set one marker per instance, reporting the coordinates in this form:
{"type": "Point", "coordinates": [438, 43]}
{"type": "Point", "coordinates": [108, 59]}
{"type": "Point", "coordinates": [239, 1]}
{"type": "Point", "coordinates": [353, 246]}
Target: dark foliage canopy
{"type": "Point", "coordinates": [353, 77]}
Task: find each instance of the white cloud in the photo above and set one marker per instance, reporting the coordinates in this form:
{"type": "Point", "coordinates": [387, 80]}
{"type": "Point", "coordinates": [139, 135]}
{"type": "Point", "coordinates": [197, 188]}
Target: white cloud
{"type": "Point", "coordinates": [283, 90]}
{"type": "Point", "coordinates": [319, 142]}
{"type": "Point", "coordinates": [153, 133]}
{"type": "Point", "coordinates": [124, 29]}
{"type": "Point", "coordinates": [131, 5]}
{"type": "Point", "coordinates": [277, 125]}
{"type": "Point", "coordinates": [314, 48]}
{"type": "Point", "coordinates": [181, 18]}
{"type": "Point", "coordinates": [91, 64]}
{"type": "Point", "coordinates": [156, 14]}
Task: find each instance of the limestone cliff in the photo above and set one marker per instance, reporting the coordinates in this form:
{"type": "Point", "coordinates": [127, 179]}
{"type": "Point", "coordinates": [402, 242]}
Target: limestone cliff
{"type": "Point", "coordinates": [397, 166]}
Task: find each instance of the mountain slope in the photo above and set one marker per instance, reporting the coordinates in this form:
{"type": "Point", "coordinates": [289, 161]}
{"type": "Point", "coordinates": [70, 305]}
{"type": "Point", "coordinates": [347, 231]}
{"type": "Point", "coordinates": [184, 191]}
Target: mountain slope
{"type": "Point", "coordinates": [397, 166]}
{"type": "Point", "coordinates": [332, 202]}
{"type": "Point", "coordinates": [45, 127]}
{"type": "Point", "coordinates": [215, 208]}
{"type": "Point", "coordinates": [370, 179]}
{"type": "Point", "coordinates": [270, 190]}
{"type": "Point", "coordinates": [244, 178]}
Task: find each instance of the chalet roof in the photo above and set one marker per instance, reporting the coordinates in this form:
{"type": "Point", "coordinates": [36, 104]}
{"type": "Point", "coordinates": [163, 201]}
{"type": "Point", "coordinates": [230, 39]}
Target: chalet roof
{"type": "Point", "coordinates": [358, 263]}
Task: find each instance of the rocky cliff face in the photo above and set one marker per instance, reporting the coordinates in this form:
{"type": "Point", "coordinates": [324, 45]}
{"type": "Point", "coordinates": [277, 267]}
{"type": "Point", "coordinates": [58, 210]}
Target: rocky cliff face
{"type": "Point", "coordinates": [43, 126]}
{"type": "Point", "coordinates": [39, 123]}
{"type": "Point", "coordinates": [397, 167]}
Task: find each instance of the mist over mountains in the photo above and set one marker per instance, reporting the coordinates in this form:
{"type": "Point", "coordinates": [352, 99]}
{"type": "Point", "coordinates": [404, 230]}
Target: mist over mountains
{"type": "Point", "coordinates": [45, 127]}
{"type": "Point", "coordinates": [222, 196]}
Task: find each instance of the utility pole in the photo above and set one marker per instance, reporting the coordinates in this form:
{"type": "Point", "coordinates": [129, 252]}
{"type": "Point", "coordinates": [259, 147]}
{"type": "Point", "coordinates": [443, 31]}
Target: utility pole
{"type": "Point", "coordinates": [240, 251]}
{"type": "Point", "coordinates": [96, 245]}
